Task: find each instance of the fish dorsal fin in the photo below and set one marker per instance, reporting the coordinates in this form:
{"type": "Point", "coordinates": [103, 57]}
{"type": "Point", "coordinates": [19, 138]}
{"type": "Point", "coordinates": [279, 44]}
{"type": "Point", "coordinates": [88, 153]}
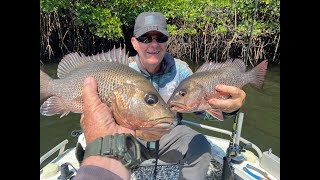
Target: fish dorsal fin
{"type": "Point", "coordinates": [210, 66]}
{"type": "Point", "coordinates": [73, 61]}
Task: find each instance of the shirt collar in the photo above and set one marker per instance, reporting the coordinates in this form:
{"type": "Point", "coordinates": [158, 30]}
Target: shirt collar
{"type": "Point", "coordinates": [165, 66]}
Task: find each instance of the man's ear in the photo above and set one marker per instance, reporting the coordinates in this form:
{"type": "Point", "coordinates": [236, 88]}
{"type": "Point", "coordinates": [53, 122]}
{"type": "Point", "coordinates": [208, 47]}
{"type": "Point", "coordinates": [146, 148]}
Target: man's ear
{"type": "Point", "coordinates": [134, 42]}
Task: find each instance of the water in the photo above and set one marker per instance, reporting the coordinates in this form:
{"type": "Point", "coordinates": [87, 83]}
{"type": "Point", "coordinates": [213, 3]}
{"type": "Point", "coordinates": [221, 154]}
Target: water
{"type": "Point", "coordinates": [261, 123]}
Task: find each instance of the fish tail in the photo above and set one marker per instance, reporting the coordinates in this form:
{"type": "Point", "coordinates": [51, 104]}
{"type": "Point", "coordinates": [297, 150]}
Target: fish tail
{"type": "Point", "coordinates": [258, 74]}
{"type": "Point", "coordinates": [45, 80]}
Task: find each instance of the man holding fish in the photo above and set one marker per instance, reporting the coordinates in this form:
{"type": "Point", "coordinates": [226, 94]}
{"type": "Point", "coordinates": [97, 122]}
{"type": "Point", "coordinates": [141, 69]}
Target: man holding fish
{"type": "Point", "coordinates": [182, 144]}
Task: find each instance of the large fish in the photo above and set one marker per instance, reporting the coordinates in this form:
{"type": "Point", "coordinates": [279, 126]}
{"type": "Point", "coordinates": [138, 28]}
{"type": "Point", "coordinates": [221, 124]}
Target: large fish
{"type": "Point", "coordinates": [134, 102]}
{"type": "Point", "coordinates": [193, 92]}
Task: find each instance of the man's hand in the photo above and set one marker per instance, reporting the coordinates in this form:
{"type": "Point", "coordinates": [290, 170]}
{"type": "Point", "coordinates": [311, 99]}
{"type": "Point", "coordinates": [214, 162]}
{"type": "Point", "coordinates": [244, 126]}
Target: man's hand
{"type": "Point", "coordinates": [97, 119]}
{"type": "Point", "coordinates": [237, 97]}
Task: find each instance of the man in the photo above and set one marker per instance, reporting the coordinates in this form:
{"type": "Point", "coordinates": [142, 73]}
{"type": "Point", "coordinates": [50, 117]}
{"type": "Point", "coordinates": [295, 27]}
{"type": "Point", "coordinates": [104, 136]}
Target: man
{"type": "Point", "coordinates": [183, 145]}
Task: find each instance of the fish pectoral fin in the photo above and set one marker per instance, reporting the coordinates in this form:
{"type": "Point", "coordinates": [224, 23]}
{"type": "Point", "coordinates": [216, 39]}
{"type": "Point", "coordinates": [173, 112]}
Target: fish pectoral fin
{"type": "Point", "coordinates": [216, 114]}
{"type": "Point", "coordinates": [64, 114]}
{"type": "Point", "coordinates": [54, 105]}
{"type": "Point", "coordinates": [204, 105]}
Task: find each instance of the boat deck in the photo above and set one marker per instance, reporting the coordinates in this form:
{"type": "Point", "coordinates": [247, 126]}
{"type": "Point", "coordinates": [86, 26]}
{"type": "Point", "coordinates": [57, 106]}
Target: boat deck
{"type": "Point", "coordinates": [164, 170]}
{"type": "Point", "coordinates": [254, 166]}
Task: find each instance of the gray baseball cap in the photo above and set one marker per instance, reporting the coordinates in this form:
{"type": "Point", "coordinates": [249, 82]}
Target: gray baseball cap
{"type": "Point", "coordinates": [150, 21]}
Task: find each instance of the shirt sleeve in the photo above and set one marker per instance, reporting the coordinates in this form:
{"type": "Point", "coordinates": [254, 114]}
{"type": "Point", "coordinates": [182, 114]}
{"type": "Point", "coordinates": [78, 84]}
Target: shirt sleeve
{"type": "Point", "coordinates": [89, 172]}
{"type": "Point", "coordinates": [207, 117]}
{"type": "Point", "coordinates": [184, 69]}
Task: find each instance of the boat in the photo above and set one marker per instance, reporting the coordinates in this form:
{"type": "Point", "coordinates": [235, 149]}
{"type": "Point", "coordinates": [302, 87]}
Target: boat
{"type": "Point", "coordinates": [231, 159]}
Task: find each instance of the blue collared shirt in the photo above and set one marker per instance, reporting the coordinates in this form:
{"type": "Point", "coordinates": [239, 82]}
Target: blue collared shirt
{"type": "Point", "coordinates": [166, 80]}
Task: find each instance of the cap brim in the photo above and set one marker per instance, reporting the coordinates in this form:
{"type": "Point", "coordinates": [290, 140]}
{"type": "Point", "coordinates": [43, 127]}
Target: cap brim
{"type": "Point", "coordinates": [142, 31]}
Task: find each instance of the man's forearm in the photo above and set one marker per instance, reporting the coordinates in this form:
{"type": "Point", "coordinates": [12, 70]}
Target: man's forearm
{"type": "Point", "coordinates": [110, 164]}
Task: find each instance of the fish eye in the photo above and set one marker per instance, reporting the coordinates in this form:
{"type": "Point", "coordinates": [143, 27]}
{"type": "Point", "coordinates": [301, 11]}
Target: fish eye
{"type": "Point", "coordinates": [151, 99]}
{"type": "Point", "coordinates": [182, 92]}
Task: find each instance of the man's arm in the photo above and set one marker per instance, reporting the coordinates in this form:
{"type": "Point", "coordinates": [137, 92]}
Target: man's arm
{"type": "Point", "coordinates": [97, 121]}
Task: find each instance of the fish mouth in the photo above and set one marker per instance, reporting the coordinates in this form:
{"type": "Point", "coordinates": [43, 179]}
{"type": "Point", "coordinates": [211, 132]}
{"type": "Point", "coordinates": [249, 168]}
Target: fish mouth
{"type": "Point", "coordinates": [165, 124]}
{"type": "Point", "coordinates": [178, 107]}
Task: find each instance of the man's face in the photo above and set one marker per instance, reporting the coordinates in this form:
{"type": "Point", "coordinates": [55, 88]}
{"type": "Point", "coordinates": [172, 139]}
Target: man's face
{"type": "Point", "coordinates": [151, 53]}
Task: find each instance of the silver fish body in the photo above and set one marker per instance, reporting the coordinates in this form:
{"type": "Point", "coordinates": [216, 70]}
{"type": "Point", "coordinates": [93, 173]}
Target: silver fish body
{"type": "Point", "coordinates": [193, 92]}
{"type": "Point", "coordinates": [134, 102]}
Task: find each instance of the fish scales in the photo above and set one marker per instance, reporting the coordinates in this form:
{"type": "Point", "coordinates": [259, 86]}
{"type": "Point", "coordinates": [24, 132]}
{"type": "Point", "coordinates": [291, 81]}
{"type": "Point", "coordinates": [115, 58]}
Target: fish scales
{"type": "Point", "coordinates": [108, 75]}
{"type": "Point", "coordinates": [226, 75]}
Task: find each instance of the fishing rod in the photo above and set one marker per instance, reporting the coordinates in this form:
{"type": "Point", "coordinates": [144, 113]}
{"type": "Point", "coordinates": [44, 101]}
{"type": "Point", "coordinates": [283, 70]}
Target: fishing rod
{"type": "Point", "coordinates": [233, 154]}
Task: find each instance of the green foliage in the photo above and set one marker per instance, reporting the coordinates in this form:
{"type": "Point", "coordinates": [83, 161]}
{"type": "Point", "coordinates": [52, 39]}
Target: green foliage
{"type": "Point", "coordinates": [220, 29]}
{"type": "Point", "coordinates": [49, 6]}
{"type": "Point", "coordinates": [112, 19]}
{"type": "Point", "coordinates": [106, 18]}
{"type": "Point", "coordinates": [99, 20]}
{"type": "Point", "coordinates": [172, 29]}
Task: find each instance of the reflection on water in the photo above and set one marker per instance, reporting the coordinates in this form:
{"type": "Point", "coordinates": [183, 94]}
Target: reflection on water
{"type": "Point", "coordinates": [261, 123]}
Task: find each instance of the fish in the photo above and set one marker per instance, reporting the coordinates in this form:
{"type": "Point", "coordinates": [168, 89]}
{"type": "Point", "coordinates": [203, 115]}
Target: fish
{"type": "Point", "coordinates": [133, 100]}
{"type": "Point", "coordinates": [192, 93]}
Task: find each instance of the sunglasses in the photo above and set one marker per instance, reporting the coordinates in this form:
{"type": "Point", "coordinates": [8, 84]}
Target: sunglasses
{"type": "Point", "coordinates": [148, 39]}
